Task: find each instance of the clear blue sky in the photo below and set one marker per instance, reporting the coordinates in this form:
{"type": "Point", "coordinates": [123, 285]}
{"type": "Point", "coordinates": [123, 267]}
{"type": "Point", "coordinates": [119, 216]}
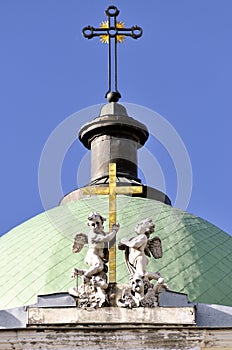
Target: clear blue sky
{"type": "Point", "coordinates": [180, 68]}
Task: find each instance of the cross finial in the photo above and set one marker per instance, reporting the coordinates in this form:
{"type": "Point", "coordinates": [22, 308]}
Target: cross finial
{"type": "Point", "coordinates": [112, 191]}
{"type": "Point", "coordinates": [116, 31]}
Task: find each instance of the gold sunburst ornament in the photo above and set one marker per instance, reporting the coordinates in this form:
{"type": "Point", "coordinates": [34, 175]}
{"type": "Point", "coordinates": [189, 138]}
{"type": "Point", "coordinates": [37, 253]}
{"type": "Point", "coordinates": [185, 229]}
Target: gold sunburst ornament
{"type": "Point", "coordinates": [104, 38]}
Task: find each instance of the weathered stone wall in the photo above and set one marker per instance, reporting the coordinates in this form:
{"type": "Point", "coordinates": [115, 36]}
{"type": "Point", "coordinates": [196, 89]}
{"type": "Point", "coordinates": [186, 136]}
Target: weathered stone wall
{"type": "Point", "coordinates": [116, 337]}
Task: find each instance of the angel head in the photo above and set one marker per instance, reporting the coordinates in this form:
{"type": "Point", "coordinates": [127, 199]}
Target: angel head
{"type": "Point", "coordinates": [145, 226]}
{"type": "Point", "coordinates": [137, 284]}
{"type": "Point", "coordinates": [96, 221]}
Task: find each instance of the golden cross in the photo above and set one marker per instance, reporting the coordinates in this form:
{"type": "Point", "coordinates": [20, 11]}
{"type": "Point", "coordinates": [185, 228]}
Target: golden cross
{"type": "Point", "coordinates": [112, 192]}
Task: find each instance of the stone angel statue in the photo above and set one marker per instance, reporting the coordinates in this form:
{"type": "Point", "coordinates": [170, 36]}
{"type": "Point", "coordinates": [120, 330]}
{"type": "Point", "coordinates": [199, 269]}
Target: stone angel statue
{"type": "Point", "coordinates": [140, 292]}
{"type": "Point", "coordinates": [94, 278]}
{"type": "Point", "coordinates": [138, 248]}
{"type": "Point", "coordinates": [96, 239]}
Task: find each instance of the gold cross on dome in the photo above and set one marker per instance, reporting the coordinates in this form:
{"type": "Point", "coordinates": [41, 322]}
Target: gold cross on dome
{"type": "Point", "coordinates": [112, 192]}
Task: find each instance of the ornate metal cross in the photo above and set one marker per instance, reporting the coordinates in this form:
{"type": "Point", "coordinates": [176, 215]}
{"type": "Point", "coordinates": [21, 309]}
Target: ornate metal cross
{"type": "Point", "coordinates": [108, 31]}
{"type": "Point", "coordinates": [112, 192]}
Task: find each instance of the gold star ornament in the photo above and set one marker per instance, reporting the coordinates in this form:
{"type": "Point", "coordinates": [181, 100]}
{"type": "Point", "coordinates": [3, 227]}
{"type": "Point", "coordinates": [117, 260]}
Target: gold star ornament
{"type": "Point", "coordinates": [104, 38]}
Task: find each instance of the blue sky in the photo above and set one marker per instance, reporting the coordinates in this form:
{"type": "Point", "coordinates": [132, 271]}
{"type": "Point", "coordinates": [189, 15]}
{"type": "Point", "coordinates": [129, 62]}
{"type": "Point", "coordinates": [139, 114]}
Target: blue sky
{"type": "Point", "coordinates": [180, 68]}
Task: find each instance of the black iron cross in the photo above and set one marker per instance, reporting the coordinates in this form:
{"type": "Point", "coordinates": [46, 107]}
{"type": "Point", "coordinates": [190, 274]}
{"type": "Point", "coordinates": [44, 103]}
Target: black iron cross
{"type": "Point", "coordinates": [112, 31]}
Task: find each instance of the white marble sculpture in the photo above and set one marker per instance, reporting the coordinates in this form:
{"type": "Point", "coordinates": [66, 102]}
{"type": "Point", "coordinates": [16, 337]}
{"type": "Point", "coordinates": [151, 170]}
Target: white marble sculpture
{"type": "Point", "coordinates": [140, 291]}
{"type": "Point", "coordinates": [92, 291]}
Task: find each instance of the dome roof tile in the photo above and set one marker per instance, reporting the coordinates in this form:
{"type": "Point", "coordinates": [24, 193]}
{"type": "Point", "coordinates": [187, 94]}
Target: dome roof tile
{"type": "Point", "coordinates": [37, 255]}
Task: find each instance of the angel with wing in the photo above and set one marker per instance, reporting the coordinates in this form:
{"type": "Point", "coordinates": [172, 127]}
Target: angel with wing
{"type": "Point", "coordinates": [97, 239]}
{"type": "Point", "coordinates": [138, 248]}
{"type": "Point", "coordinates": [140, 291]}
{"type": "Point", "coordinates": [92, 292]}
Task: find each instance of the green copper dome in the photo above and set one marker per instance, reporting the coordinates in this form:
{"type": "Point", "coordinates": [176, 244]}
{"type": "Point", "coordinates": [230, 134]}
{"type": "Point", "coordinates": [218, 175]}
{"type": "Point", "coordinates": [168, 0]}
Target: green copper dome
{"type": "Point", "coordinates": [37, 258]}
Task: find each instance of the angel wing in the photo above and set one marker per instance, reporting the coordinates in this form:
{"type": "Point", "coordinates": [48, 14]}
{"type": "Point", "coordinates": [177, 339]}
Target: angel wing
{"type": "Point", "coordinates": [80, 240]}
{"type": "Point", "coordinates": [130, 267]}
{"type": "Point", "coordinates": [155, 247]}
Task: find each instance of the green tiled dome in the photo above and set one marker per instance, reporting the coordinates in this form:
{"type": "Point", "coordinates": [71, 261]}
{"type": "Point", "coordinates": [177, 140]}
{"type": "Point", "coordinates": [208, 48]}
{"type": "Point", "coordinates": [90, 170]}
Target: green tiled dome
{"type": "Point", "coordinates": [36, 257]}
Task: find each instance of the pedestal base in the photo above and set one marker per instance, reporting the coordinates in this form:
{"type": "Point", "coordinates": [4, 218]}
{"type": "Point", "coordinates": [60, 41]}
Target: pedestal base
{"type": "Point", "coordinates": [111, 315]}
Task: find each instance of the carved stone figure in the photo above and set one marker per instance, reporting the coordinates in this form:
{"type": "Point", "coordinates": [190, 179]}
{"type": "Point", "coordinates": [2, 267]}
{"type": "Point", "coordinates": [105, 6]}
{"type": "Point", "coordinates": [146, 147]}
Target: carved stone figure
{"type": "Point", "coordinates": [140, 291]}
{"type": "Point", "coordinates": [92, 291]}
